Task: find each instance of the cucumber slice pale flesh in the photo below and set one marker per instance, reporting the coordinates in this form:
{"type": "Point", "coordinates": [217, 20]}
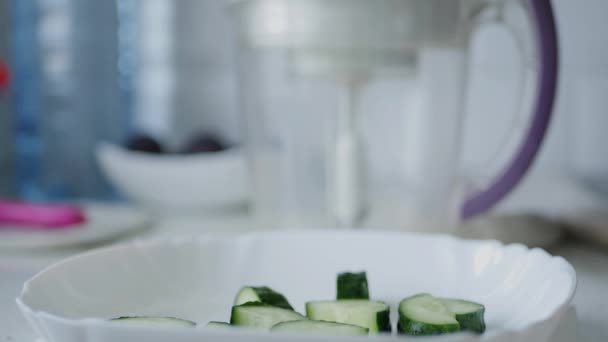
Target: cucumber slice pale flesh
{"type": "Point", "coordinates": [424, 315]}
{"type": "Point", "coordinates": [262, 294]}
{"type": "Point", "coordinates": [468, 314]}
{"type": "Point", "coordinates": [262, 316]}
{"type": "Point", "coordinates": [352, 286]}
{"type": "Point", "coordinates": [154, 320]}
{"type": "Point", "coordinates": [320, 327]}
{"type": "Point", "coordinates": [364, 313]}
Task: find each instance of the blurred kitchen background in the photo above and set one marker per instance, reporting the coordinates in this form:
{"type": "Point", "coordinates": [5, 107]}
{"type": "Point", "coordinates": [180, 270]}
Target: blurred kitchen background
{"type": "Point", "coordinates": [86, 72]}
{"type": "Point", "coordinates": [131, 105]}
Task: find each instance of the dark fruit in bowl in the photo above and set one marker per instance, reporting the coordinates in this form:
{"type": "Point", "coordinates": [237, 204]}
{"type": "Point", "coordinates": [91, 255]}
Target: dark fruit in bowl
{"type": "Point", "coordinates": [204, 143]}
{"type": "Point", "coordinates": [143, 143]}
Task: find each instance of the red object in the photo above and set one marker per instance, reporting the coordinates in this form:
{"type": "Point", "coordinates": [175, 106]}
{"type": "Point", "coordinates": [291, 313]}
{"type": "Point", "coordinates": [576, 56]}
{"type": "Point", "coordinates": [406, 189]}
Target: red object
{"type": "Point", "coordinates": [4, 75]}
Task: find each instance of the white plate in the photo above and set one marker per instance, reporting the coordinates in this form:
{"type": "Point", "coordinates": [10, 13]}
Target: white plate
{"type": "Point", "coordinates": [567, 330]}
{"type": "Point", "coordinates": [526, 292]}
{"type": "Point", "coordinates": [104, 222]}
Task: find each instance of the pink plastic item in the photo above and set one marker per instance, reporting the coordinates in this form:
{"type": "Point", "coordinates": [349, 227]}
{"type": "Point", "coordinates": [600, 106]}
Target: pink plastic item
{"type": "Point", "coordinates": [40, 216]}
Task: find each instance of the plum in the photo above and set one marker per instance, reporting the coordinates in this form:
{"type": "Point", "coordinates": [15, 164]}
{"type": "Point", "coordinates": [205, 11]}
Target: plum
{"type": "Point", "coordinates": [144, 143]}
{"type": "Point", "coordinates": [204, 143]}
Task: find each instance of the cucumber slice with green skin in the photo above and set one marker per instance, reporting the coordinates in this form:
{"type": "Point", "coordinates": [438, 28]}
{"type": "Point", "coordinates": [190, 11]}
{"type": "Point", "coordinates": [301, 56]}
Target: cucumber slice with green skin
{"type": "Point", "coordinates": [320, 327]}
{"type": "Point", "coordinates": [364, 313]}
{"type": "Point", "coordinates": [468, 314]}
{"type": "Point", "coordinates": [218, 325]}
{"type": "Point", "coordinates": [424, 315]}
{"type": "Point", "coordinates": [261, 316]}
{"type": "Point", "coordinates": [352, 286]}
{"type": "Point", "coordinates": [262, 294]}
{"type": "Point", "coordinates": [154, 320]}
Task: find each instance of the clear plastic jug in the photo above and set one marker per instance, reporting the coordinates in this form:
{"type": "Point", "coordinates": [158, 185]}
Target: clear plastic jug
{"type": "Point", "coordinates": [315, 76]}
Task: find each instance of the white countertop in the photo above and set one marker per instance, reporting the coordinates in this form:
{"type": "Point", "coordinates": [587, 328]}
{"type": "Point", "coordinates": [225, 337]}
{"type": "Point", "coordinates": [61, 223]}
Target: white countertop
{"type": "Point", "coordinates": [590, 302]}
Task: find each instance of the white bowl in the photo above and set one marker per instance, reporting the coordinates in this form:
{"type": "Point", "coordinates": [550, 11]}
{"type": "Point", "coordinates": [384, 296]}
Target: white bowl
{"type": "Point", "coordinates": [199, 181]}
{"type": "Point", "coordinates": [525, 291]}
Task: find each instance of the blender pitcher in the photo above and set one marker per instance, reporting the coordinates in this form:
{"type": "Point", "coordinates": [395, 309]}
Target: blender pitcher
{"type": "Point", "coordinates": [319, 77]}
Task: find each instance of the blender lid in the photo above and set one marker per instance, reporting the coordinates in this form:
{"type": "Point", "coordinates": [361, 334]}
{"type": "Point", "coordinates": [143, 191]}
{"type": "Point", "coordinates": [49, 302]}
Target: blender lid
{"type": "Point", "coordinates": [353, 24]}
{"type": "Point", "coordinates": [352, 39]}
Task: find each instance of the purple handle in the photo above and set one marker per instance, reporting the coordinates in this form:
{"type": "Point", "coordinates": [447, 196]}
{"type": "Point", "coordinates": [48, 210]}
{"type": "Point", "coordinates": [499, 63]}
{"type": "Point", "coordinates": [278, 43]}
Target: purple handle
{"type": "Point", "coordinates": [542, 13]}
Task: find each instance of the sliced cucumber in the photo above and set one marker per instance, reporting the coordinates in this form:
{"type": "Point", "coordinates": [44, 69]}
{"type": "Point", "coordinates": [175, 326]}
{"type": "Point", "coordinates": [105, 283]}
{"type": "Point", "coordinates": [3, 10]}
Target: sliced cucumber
{"type": "Point", "coordinates": [364, 313]}
{"type": "Point", "coordinates": [424, 315]}
{"type": "Point", "coordinates": [262, 294]}
{"type": "Point", "coordinates": [218, 325]}
{"type": "Point", "coordinates": [352, 286]}
{"type": "Point", "coordinates": [468, 314]}
{"type": "Point", "coordinates": [320, 327]}
{"type": "Point", "coordinates": [260, 315]}
{"type": "Point", "coordinates": [154, 320]}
